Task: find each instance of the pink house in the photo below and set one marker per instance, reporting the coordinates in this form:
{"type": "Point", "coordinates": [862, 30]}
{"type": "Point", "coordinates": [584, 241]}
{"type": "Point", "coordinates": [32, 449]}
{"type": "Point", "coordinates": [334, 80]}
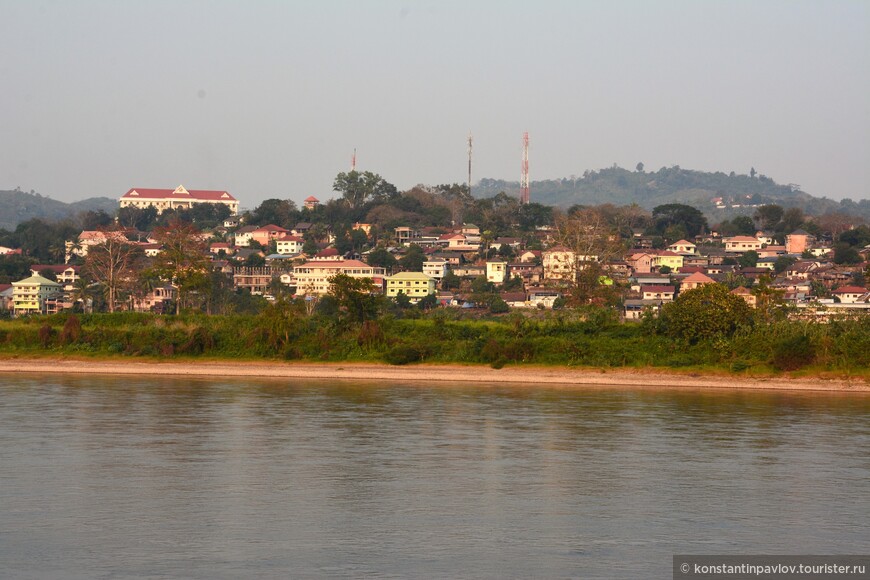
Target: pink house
{"type": "Point", "coordinates": [641, 263]}
{"type": "Point", "coordinates": [268, 233]}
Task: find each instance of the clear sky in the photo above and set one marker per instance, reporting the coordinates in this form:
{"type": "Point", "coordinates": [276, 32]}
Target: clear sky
{"type": "Point", "coordinates": [269, 99]}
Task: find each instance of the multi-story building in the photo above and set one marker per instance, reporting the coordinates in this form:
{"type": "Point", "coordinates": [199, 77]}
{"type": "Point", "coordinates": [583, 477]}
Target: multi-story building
{"type": "Point", "coordinates": [414, 285]}
{"type": "Point", "coordinates": [496, 271]}
{"type": "Point", "coordinates": [560, 264]}
{"type": "Point", "coordinates": [289, 245]}
{"type": "Point", "coordinates": [313, 277]}
{"type": "Point", "coordinates": [29, 295]}
{"type": "Point", "coordinates": [435, 268]}
{"type": "Point", "coordinates": [742, 244]}
{"type": "Point", "coordinates": [179, 198]}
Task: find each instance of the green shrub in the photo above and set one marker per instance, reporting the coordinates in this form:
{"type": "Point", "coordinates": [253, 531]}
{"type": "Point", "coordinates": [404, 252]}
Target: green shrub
{"type": "Point", "coordinates": [404, 354]}
{"type": "Point", "coordinates": [792, 353]}
{"type": "Point", "coordinates": [498, 363]}
{"type": "Point", "coordinates": [45, 334]}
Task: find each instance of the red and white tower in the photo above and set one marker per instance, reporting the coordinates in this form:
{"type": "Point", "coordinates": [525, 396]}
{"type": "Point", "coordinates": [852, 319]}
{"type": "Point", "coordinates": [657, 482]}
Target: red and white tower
{"type": "Point", "coordinates": [524, 179]}
{"type": "Point", "coordinates": [353, 160]}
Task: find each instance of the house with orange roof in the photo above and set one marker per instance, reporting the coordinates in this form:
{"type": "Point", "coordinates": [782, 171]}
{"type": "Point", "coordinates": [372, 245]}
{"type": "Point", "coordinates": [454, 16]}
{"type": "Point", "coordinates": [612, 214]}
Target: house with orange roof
{"type": "Point", "coordinates": [683, 247]}
{"type": "Point", "coordinates": [311, 202]}
{"type": "Point", "coordinates": [695, 280]}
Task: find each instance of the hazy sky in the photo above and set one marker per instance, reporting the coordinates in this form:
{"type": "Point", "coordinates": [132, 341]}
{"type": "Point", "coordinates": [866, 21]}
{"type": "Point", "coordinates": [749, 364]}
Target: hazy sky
{"type": "Point", "coordinates": [269, 99]}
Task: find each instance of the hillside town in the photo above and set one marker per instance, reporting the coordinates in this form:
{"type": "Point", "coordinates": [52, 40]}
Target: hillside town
{"type": "Point", "coordinates": [614, 257]}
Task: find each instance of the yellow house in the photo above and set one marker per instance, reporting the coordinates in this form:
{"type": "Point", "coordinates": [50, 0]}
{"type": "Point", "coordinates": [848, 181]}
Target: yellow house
{"type": "Point", "coordinates": [672, 260]}
{"type": "Point", "coordinates": [28, 295]}
{"type": "Point", "coordinates": [414, 285]}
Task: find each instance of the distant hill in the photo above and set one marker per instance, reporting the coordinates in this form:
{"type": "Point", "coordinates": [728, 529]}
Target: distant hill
{"type": "Point", "coordinates": [719, 195]}
{"type": "Point", "coordinates": [18, 206]}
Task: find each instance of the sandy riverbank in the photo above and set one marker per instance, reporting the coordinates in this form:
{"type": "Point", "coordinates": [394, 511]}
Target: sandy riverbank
{"type": "Point", "coordinates": [428, 373]}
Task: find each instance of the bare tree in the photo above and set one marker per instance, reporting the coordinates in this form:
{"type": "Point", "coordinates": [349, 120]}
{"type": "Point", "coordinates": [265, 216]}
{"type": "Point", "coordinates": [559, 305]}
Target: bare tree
{"type": "Point", "coordinates": [594, 240]}
{"type": "Point", "coordinates": [113, 263]}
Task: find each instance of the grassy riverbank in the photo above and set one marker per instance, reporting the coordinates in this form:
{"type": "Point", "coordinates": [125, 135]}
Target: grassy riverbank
{"type": "Point", "coordinates": [837, 349]}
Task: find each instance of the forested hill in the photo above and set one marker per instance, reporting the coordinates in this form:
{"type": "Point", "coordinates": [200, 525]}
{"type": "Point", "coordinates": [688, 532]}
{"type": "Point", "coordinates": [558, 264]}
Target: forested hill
{"type": "Point", "coordinates": [738, 193]}
{"type": "Point", "coordinates": [17, 206]}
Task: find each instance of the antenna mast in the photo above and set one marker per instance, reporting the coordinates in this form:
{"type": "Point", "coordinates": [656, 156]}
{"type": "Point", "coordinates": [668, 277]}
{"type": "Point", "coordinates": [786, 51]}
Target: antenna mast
{"type": "Point", "coordinates": [353, 160]}
{"type": "Point", "coordinates": [524, 178]}
{"type": "Point", "coordinates": [470, 139]}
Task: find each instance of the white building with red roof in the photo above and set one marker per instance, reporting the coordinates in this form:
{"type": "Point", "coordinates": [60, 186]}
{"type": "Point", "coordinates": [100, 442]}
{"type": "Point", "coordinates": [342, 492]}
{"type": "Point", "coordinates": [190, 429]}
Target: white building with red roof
{"type": "Point", "coordinates": [311, 202]}
{"type": "Point", "coordinates": [179, 198]}
{"type": "Point", "coordinates": [851, 294]}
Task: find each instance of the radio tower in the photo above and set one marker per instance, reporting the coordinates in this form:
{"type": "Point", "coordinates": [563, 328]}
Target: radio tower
{"type": "Point", "coordinates": [524, 179]}
{"type": "Point", "coordinates": [469, 163]}
{"type": "Point", "coordinates": [353, 160]}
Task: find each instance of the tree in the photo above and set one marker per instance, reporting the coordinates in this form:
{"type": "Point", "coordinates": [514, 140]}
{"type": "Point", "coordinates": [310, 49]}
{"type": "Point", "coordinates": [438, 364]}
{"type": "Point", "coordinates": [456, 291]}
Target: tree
{"type": "Point", "coordinates": [846, 254]}
{"type": "Point", "coordinates": [282, 321]}
{"type": "Point", "coordinates": [752, 173]}
{"type": "Point", "coordinates": [281, 212]}
{"type": "Point", "coordinates": [92, 220]}
{"type": "Point", "coordinates": [141, 219]}
{"type": "Point", "coordinates": [704, 313]}
{"type": "Point", "coordinates": [748, 259]}
{"type": "Point", "coordinates": [183, 260]}
{"type": "Point", "coordinates": [792, 219]}
{"type": "Point", "coordinates": [768, 216]}
{"type": "Point", "coordinates": [782, 263]}
{"type": "Point", "coordinates": [381, 258]}
{"type": "Point", "coordinates": [113, 263]}
{"type": "Point", "coordinates": [639, 167]}
{"type": "Point", "coordinates": [413, 259]}
{"type": "Point", "coordinates": [743, 225]}
{"type": "Point", "coordinates": [357, 188]}
{"type": "Point", "coordinates": [451, 281]}
{"type": "Point", "coordinates": [664, 216]}
{"type": "Point", "coordinates": [354, 297]}
{"type": "Point", "coordinates": [498, 306]}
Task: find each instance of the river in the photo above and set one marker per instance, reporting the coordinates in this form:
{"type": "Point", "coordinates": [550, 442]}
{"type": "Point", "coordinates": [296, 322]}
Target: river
{"type": "Point", "coordinates": [105, 477]}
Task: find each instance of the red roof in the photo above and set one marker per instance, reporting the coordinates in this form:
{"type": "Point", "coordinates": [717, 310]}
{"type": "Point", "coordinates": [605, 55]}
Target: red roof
{"type": "Point", "coordinates": [53, 267]}
{"type": "Point", "coordinates": [312, 198]}
{"type": "Point", "coordinates": [289, 238]}
{"type": "Point", "coordinates": [699, 277]}
{"type": "Point", "coordinates": [849, 290]}
{"type": "Point", "coordinates": [271, 228]}
{"type": "Point", "coordinates": [204, 194]}
{"type": "Point", "coordinates": [336, 264]}
{"type": "Point", "coordinates": [659, 289]}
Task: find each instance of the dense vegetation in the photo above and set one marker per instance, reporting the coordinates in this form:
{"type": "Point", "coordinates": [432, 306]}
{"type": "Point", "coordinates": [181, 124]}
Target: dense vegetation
{"type": "Point", "coordinates": [675, 185]}
{"type": "Point", "coordinates": [589, 337]}
{"type": "Point", "coordinates": [17, 206]}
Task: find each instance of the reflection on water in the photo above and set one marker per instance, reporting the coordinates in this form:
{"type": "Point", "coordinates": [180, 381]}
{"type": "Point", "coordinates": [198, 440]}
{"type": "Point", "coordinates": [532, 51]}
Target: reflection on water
{"type": "Point", "coordinates": [190, 478]}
